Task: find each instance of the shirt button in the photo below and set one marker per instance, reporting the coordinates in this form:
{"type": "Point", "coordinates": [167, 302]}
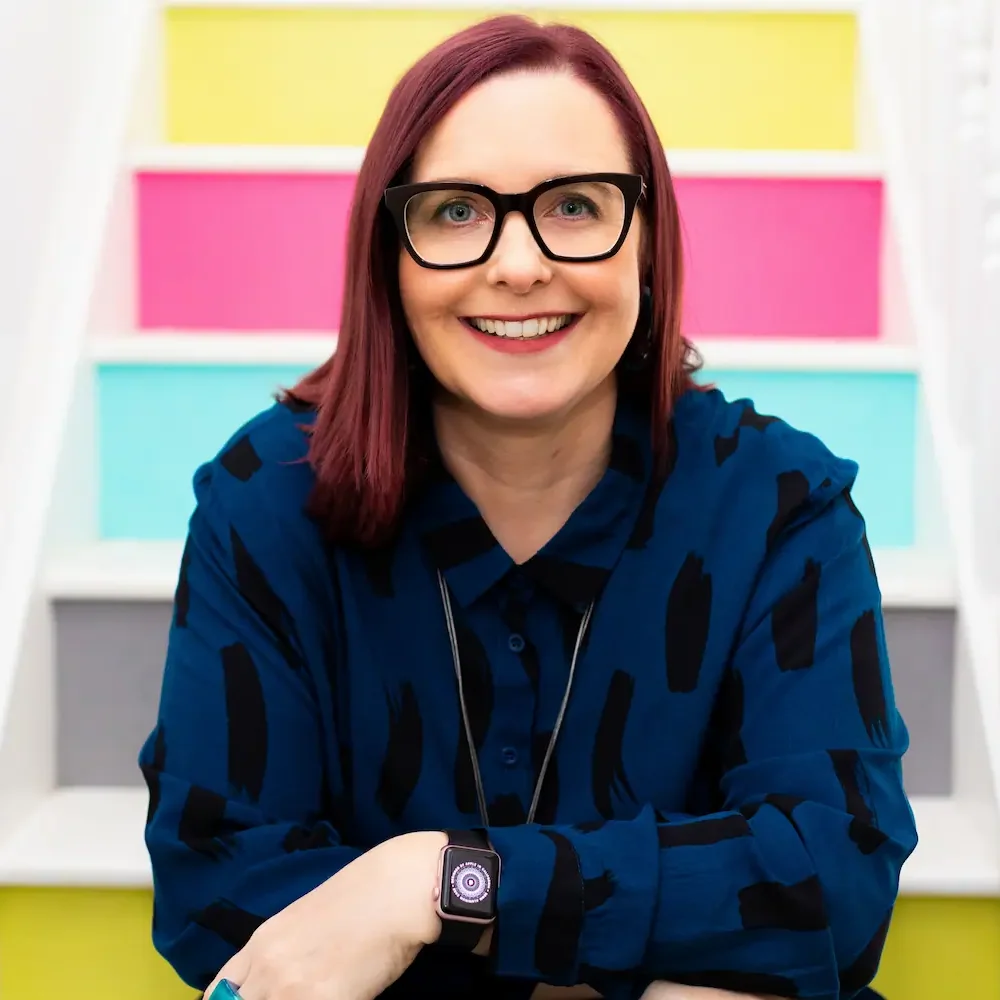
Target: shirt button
{"type": "Point", "coordinates": [509, 755]}
{"type": "Point", "coordinates": [516, 643]}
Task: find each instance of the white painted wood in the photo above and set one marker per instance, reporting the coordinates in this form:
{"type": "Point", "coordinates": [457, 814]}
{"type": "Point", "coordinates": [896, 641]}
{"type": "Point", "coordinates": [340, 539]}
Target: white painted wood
{"type": "Point", "coordinates": [780, 6]}
{"type": "Point", "coordinates": [109, 41]}
{"type": "Point", "coordinates": [120, 570]}
{"type": "Point", "coordinates": [94, 837]}
{"type": "Point", "coordinates": [183, 157]}
{"type": "Point", "coordinates": [293, 347]}
{"type": "Point", "coordinates": [918, 111]}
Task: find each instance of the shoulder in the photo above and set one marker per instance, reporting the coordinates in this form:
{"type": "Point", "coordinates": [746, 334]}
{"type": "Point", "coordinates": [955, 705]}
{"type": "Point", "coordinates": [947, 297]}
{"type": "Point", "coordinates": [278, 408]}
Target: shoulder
{"type": "Point", "coordinates": [751, 476]}
{"type": "Point", "coordinates": [260, 480]}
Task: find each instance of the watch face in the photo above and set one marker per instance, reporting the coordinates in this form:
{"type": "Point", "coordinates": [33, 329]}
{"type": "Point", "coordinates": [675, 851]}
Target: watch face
{"type": "Point", "coordinates": [469, 883]}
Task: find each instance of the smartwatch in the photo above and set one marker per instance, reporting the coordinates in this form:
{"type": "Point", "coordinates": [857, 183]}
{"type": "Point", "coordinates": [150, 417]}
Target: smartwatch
{"type": "Point", "coordinates": [467, 894]}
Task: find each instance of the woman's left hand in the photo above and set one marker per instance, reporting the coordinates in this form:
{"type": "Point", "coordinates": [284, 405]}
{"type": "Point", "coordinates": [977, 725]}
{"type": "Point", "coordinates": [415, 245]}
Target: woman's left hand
{"type": "Point", "coordinates": [351, 937]}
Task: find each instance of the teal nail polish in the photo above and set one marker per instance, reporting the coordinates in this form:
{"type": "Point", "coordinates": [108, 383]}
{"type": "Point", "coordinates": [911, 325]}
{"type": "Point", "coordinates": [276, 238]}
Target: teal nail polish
{"type": "Point", "coordinates": [224, 991]}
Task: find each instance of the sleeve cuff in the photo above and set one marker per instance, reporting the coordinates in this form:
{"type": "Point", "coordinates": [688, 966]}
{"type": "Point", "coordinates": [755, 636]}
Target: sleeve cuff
{"type": "Point", "coordinates": [572, 901]}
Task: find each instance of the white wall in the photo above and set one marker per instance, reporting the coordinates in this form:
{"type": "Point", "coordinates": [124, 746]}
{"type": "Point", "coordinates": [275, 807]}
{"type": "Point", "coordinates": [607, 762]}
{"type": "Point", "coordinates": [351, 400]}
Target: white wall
{"type": "Point", "coordinates": [40, 83]}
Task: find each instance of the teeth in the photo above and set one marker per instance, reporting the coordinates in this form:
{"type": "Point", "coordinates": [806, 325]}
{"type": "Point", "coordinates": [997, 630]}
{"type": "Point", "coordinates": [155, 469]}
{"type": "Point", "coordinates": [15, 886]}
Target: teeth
{"type": "Point", "coordinates": [521, 329]}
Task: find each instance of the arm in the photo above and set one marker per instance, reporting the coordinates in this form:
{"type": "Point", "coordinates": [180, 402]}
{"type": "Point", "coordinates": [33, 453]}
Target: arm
{"type": "Point", "coordinates": [241, 815]}
{"type": "Point", "coordinates": [789, 888]}
{"type": "Point", "coordinates": [234, 766]}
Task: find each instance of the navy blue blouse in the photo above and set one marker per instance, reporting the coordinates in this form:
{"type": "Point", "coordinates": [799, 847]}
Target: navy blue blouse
{"type": "Point", "coordinates": [725, 805]}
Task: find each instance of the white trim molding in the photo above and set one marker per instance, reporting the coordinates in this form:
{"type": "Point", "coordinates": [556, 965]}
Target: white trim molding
{"type": "Point", "coordinates": [236, 158]}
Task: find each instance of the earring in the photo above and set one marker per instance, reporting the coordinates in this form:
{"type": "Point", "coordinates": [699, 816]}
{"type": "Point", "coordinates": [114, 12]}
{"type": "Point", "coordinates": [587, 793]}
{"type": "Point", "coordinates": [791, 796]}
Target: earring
{"type": "Point", "coordinates": [640, 346]}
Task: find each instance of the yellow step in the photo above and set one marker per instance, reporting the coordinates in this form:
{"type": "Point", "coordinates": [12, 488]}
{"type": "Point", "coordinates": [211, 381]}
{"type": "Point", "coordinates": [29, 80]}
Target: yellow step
{"type": "Point", "coordinates": [76, 908]}
{"type": "Point", "coordinates": [319, 74]}
{"type": "Point", "coordinates": [92, 944]}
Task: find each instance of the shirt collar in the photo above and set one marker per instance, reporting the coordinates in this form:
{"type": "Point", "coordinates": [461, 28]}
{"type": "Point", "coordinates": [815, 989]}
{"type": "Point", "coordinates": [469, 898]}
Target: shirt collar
{"type": "Point", "coordinates": [575, 564]}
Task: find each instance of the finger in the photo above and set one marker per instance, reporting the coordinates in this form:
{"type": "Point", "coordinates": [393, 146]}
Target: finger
{"type": "Point", "coordinates": [235, 970]}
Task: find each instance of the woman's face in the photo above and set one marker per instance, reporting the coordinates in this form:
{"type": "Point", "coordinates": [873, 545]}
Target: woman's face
{"type": "Point", "coordinates": [511, 133]}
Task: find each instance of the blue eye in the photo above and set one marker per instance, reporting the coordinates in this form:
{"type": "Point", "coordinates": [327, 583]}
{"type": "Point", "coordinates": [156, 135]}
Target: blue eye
{"type": "Point", "coordinates": [457, 211]}
{"type": "Point", "coordinates": [573, 208]}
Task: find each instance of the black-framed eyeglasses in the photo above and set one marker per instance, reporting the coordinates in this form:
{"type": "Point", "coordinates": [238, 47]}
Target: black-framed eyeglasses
{"type": "Point", "coordinates": [451, 224]}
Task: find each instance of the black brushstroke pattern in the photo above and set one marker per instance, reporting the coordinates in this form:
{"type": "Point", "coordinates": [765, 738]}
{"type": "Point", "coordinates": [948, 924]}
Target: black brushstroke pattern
{"type": "Point", "coordinates": [725, 446]}
{"type": "Point", "coordinates": [569, 627]}
{"type": "Point", "coordinates": [507, 810]}
{"type": "Point", "coordinates": [866, 673]}
{"type": "Point", "coordinates": [728, 719]}
{"type": "Point", "coordinates": [561, 922]}
{"type": "Point", "coordinates": [548, 801]}
{"type": "Point", "coordinates": [775, 906]}
{"type": "Point", "coordinates": [203, 826]}
{"type": "Point", "coordinates": [626, 457]}
{"type": "Point", "coordinates": [863, 830]}
{"type": "Point", "coordinates": [598, 890]}
{"type": "Point", "coordinates": [404, 753]}
{"type": "Point", "coordinates": [459, 542]}
{"type": "Point", "coordinates": [864, 537]}
{"type": "Point", "coordinates": [758, 421]}
{"type": "Point", "coordinates": [793, 492]}
{"type": "Point", "coordinates": [862, 970]}
{"type": "Point", "coordinates": [151, 772]}
{"type": "Point", "coordinates": [259, 594]}
{"type": "Point", "coordinates": [570, 582]}
{"type": "Point", "coordinates": [703, 832]}
{"type": "Point", "coordinates": [795, 621]}
{"type": "Point", "coordinates": [590, 825]}
{"type": "Point", "coordinates": [738, 981]}
{"type": "Point", "coordinates": [182, 593]}
{"type": "Point", "coordinates": [246, 721]}
{"type": "Point", "coordinates": [608, 776]}
{"type": "Point", "coordinates": [241, 460]}
{"type": "Point", "coordinates": [234, 925]}
{"type": "Point", "coordinates": [645, 522]}
{"type": "Point", "coordinates": [688, 618]}
{"type": "Point", "coordinates": [378, 568]}
{"type": "Point", "coordinates": [308, 838]}
{"type": "Point", "coordinates": [477, 682]}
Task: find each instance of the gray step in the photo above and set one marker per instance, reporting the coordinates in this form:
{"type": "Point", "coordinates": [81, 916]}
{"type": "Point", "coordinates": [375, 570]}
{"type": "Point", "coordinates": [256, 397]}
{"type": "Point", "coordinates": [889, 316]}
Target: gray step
{"type": "Point", "coordinates": [109, 660]}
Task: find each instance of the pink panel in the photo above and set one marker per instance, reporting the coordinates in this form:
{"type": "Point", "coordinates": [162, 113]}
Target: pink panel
{"type": "Point", "coordinates": [242, 251]}
{"type": "Point", "coordinates": [781, 257]}
{"type": "Point", "coordinates": [765, 257]}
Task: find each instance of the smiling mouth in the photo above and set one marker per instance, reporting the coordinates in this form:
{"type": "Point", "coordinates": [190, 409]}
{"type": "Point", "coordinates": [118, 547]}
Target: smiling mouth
{"type": "Point", "coordinates": [528, 329]}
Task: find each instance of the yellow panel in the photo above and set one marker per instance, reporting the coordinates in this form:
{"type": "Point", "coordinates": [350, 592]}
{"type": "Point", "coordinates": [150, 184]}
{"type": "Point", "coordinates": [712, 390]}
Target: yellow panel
{"type": "Point", "coordinates": [92, 944]}
{"type": "Point", "coordinates": [305, 76]}
{"type": "Point", "coordinates": [84, 944]}
{"type": "Point", "coordinates": [942, 948]}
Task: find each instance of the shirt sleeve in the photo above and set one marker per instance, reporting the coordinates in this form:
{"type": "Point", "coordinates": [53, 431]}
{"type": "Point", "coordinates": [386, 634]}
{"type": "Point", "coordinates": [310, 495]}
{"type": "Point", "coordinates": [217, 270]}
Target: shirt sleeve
{"type": "Point", "coordinates": [237, 789]}
{"type": "Point", "coordinates": [789, 887]}
{"type": "Point", "coordinates": [240, 802]}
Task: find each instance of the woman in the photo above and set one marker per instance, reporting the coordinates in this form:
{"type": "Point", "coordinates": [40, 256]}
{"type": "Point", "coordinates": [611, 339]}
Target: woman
{"type": "Point", "coordinates": [506, 661]}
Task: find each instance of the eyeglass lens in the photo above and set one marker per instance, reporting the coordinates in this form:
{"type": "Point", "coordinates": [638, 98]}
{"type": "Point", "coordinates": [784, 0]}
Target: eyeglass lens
{"type": "Point", "coordinates": [574, 220]}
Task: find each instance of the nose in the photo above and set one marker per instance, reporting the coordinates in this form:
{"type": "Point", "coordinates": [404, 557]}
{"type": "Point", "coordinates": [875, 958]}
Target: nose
{"type": "Point", "coordinates": [517, 261]}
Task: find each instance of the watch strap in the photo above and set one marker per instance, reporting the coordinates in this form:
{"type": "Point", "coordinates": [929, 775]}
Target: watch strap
{"type": "Point", "coordinates": [460, 934]}
{"type": "Point", "coordinates": [475, 838]}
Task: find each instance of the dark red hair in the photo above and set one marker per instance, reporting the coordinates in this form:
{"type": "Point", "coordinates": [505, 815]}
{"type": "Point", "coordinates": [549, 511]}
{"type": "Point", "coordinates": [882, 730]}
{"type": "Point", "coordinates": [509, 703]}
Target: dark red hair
{"type": "Point", "coordinates": [369, 442]}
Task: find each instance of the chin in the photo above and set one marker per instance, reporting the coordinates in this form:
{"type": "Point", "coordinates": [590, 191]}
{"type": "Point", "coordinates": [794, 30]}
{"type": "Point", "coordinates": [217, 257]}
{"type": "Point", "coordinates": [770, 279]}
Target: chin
{"type": "Point", "coordinates": [527, 409]}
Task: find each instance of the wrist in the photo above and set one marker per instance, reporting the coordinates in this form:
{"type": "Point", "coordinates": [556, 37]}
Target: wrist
{"type": "Point", "coordinates": [417, 865]}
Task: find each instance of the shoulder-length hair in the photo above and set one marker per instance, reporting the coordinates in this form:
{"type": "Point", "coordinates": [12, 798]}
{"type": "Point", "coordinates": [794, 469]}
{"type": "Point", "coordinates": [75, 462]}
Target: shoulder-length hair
{"type": "Point", "coordinates": [369, 443]}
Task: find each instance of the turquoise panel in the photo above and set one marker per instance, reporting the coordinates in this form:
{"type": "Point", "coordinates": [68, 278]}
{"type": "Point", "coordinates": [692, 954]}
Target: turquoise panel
{"type": "Point", "coordinates": [157, 423]}
{"type": "Point", "coordinates": [869, 417]}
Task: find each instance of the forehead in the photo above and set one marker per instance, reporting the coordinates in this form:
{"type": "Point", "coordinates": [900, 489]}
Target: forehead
{"type": "Point", "coordinates": [520, 128]}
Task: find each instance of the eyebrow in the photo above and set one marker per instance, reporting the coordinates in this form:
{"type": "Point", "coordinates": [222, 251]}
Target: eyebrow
{"type": "Point", "coordinates": [472, 180]}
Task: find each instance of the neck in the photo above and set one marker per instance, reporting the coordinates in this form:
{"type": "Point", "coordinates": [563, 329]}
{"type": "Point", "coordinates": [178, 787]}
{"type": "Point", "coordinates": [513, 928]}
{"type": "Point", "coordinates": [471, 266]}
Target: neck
{"type": "Point", "coordinates": [527, 478]}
